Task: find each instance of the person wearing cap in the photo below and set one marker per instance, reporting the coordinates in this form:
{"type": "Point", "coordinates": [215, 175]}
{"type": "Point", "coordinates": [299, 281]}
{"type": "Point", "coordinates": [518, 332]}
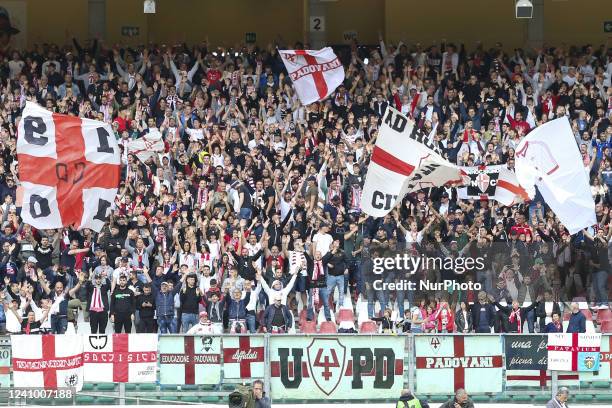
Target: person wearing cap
{"type": "Point", "coordinates": [409, 400]}
{"type": "Point", "coordinates": [277, 287]}
{"type": "Point", "coordinates": [203, 326]}
{"type": "Point", "coordinates": [277, 317]}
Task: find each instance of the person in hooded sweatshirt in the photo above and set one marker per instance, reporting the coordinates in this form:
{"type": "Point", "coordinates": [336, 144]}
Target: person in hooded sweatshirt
{"type": "Point", "coordinates": [277, 287]}
{"type": "Point", "coordinates": [408, 400]}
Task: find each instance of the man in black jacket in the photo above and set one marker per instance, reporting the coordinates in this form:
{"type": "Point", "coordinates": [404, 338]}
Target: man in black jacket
{"type": "Point", "coordinates": [145, 304]}
{"type": "Point", "coordinates": [190, 297]}
{"type": "Point", "coordinates": [122, 306]}
{"type": "Point", "coordinates": [483, 314]}
{"type": "Point", "coordinates": [516, 315]}
{"type": "Point", "coordinates": [337, 271]}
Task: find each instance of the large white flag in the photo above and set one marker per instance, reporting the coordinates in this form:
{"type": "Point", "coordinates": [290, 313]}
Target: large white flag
{"type": "Point", "coordinates": [549, 158]}
{"type": "Point", "coordinates": [49, 361]}
{"type": "Point", "coordinates": [315, 73]}
{"type": "Point", "coordinates": [491, 183]}
{"type": "Point", "coordinates": [403, 160]}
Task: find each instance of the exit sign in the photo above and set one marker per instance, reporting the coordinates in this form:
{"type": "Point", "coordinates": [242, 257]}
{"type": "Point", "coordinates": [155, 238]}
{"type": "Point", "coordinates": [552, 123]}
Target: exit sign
{"type": "Point", "coordinates": [607, 26]}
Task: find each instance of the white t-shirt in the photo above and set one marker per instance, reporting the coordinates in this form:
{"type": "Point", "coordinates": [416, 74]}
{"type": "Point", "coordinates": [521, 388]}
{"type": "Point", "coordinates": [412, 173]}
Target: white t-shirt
{"type": "Point", "coordinates": [322, 242]}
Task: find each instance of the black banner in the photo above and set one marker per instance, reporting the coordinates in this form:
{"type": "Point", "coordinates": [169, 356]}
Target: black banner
{"type": "Point", "coordinates": [526, 352]}
{"type": "Point", "coordinates": [482, 181]}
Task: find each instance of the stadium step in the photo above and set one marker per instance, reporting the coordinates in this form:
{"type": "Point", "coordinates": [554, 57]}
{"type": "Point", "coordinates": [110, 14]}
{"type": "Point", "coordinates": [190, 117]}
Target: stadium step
{"type": "Point", "coordinates": [480, 398]}
{"type": "Point", "coordinates": [581, 398]}
{"type": "Point", "coordinates": [84, 400]}
{"type": "Point", "coordinates": [601, 398]}
{"type": "Point", "coordinates": [541, 399]}
{"type": "Point", "coordinates": [106, 400]}
{"type": "Point", "coordinates": [601, 384]}
{"type": "Point", "coordinates": [521, 399]}
{"type": "Point", "coordinates": [501, 399]}
{"type": "Point", "coordinates": [106, 387]}
{"type": "Point", "coordinates": [147, 387]}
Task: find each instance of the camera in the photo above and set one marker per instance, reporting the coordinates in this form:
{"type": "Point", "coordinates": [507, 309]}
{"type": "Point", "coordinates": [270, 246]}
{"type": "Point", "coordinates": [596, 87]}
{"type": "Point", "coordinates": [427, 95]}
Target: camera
{"type": "Point", "coordinates": [242, 397]}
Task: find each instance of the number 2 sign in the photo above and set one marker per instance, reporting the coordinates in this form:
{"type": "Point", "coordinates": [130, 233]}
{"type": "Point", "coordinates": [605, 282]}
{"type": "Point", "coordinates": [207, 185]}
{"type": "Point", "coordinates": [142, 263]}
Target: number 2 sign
{"type": "Point", "coordinates": [317, 23]}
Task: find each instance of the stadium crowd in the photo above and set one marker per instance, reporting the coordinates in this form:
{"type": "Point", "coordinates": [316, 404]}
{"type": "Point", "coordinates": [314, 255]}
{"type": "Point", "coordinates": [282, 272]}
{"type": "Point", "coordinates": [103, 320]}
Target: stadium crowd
{"type": "Point", "coordinates": [250, 219]}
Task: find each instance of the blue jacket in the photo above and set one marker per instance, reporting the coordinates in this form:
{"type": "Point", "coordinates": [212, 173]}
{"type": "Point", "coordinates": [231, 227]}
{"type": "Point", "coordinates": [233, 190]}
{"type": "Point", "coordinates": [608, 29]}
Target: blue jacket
{"type": "Point", "coordinates": [577, 323]}
{"type": "Point", "coordinates": [164, 302]}
{"type": "Point", "coordinates": [237, 309]}
{"type": "Point", "coordinates": [269, 316]}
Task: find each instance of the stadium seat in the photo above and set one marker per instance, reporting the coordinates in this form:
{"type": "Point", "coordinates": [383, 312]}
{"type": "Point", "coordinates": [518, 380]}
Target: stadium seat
{"type": "Point", "coordinates": [604, 314]}
{"type": "Point", "coordinates": [328, 328]}
{"type": "Point", "coordinates": [308, 327]}
{"type": "Point", "coordinates": [606, 326]}
{"type": "Point", "coordinates": [303, 315]}
{"type": "Point", "coordinates": [345, 315]}
{"type": "Point", "coordinates": [368, 327]}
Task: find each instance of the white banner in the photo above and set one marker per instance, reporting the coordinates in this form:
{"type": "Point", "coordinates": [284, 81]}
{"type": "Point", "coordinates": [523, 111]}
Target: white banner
{"type": "Point", "coordinates": [336, 367]}
{"type": "Point", "coordinates": [574, 351]}
{"type": "Point", "coordinates": [403, 160]}
{"type": "Point", "coordinates": [48, 361]}
{"type": "Point", "coordinates": [548, 158]}
{"type": "Point", "coordinates": [121, 358]}
{"type": "Point", "coordinates": [447, 363]}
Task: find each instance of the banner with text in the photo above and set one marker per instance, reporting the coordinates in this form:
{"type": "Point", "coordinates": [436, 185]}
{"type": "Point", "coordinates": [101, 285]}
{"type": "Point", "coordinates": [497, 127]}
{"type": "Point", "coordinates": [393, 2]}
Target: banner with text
{"type": "Point", "coordinates": [338, 367]}
{"type": "Point", "coordinates": [189, 360]}
{"type": "Point", "coordinates": [447, 363]}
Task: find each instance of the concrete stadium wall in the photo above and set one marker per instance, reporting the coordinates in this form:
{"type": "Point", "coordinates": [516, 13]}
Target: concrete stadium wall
{"type": "Point", "coordinates": [226, 22]}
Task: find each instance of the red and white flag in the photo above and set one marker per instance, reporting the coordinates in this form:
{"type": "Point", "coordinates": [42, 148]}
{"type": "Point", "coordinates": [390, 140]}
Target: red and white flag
{"type": "Point", "coordinates": [315, 73]}
{"type": "Point", "coordinates": [447, 363]}
{"type": "Point", "coordinates": [243, 357]}
{"type": "Point", "coordinates": [48, 361]}
{"type": "Point", "coordinates": [574, 351]}
{"type": "Point", "coordinates": [404, 160]}
{"type": "Point", "coordinates": [147, 146]}
{"type": "Point", "coordinates": [491, 183]}
{"type": "Point", "coordinates": [120, 358]}
{"type": "Point", "coordinates": [69, 169]}
{"type": "Point", "coordinates": [539, 378]}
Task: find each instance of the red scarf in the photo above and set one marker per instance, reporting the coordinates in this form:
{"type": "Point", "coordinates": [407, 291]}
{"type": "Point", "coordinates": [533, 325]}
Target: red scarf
{"type": "Point", "coordinates": [515, 315]}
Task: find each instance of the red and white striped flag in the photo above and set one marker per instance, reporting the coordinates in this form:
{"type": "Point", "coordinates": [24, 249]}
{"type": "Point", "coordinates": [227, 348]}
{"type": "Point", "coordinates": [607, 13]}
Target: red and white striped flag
{"type": "Point", "coordinates": [315, 73]}
{"type": "Point", "coordinates": [48, 361]}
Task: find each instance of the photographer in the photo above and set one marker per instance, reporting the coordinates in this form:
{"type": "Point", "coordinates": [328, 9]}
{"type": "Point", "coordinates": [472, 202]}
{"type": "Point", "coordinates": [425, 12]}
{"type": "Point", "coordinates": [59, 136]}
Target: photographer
{"type": "Point", "coordinates": [461, 400]}
{"type": "Point", "coordinates": [261, 401]}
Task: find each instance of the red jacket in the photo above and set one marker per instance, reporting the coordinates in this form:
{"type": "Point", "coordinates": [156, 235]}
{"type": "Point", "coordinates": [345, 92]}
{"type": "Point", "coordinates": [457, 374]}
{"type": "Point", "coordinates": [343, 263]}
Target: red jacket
{"type": "Point", "coordinates": [450, 319]}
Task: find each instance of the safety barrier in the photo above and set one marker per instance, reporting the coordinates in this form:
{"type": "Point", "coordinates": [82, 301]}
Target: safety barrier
{"type": "Point", "coordinates": [340, 367]}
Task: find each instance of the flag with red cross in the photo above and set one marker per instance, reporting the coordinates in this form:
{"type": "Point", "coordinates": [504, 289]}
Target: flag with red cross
{"type": "Point", "coordinates": [69, 169]}
{"type": "Point", "coordinates": [315, 73]}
